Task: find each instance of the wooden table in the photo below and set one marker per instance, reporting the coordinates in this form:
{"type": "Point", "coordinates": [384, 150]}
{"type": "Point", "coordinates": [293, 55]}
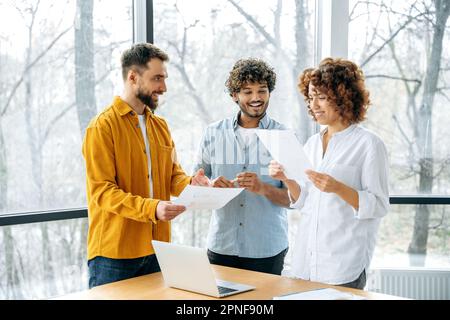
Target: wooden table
{"type": "Point", "coordinates": [152, 287]}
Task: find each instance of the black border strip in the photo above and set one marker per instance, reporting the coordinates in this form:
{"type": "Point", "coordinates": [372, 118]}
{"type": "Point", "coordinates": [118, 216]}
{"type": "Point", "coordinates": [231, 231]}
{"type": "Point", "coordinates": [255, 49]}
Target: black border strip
{"type": "Point", "coordinates": [54, 215]}
{"type": "Point", "coordinates": [41, 216]}
{"type": "Point", "coordinates": [149, 21]}
{"type": "Point", "coordinates": [420, 199]}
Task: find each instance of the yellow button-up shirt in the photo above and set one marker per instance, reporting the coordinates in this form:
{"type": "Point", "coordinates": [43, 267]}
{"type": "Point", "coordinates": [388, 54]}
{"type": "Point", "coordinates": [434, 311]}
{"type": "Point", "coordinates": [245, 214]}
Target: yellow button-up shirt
{"type": "Point", "coordinates": [122, 219]}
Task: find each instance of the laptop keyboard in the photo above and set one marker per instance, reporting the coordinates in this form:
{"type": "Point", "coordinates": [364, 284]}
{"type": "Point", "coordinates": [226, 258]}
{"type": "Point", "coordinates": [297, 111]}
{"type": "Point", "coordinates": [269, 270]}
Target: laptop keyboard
{"type": "Point", "coordinates": [224, 290]}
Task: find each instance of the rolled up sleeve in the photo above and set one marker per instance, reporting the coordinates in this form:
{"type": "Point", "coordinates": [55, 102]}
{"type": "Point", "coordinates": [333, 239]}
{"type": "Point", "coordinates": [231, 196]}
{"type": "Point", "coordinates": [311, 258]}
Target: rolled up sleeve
{"type": "Point", "coordinates": [374, 196]}
{"type": "Point", "coordinates": [301, 199]}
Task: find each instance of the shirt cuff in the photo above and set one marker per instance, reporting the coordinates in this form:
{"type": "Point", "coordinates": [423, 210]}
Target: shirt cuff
{"type": "Point", "coordinates": [301, 199]}
{"type": "Point", "coordinates": [150, 207]}
{"type": "Point", "coordinates": [365, 205]}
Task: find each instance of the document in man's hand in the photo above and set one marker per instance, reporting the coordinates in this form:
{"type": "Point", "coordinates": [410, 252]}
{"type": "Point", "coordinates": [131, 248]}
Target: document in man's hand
{"type": "Point", "coordinates": [206, 198]}
{"type": "Point", "coordinates": [320, 294]}
{"type": "Point", "coordinates": [285, 148]}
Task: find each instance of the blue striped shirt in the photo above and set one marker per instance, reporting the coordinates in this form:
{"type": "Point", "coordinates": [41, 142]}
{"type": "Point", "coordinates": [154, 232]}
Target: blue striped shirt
{"type": "Point", "coordinates": [250, 225]}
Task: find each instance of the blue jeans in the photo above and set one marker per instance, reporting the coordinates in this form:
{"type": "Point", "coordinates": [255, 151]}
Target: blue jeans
{"type": "Point", "coordinates": [105, 270]}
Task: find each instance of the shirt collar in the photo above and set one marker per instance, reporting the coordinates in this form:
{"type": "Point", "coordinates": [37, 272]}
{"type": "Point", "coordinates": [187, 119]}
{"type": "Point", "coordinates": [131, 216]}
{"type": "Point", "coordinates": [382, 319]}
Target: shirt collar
{"type": "Point", "coordinates": [342, 133]}
{"type": "Point", "coordinates": [263, 122]}
{"type": "Point", "coordinates": [124, 108]}
{"type": "Point", "coordinates": [121, 106]}
{"type": "Point", "coordinates": [148, 112]}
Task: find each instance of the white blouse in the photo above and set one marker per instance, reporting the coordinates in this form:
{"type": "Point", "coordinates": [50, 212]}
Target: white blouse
{"type": "Point", "coordinates": [334, 242]}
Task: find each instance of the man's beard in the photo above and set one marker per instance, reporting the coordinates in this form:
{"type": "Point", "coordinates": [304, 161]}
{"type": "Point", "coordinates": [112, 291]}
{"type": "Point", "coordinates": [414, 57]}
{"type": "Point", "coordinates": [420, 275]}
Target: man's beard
{"type": "Point", "coordinates": [147, 100]}
{"type": "Point", "coordinates": [248, 114]}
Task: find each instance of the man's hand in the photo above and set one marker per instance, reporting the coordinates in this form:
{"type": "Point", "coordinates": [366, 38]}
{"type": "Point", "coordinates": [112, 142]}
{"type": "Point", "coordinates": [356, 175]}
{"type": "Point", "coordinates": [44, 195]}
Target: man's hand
{"type": "Point", "coordinates": [199, 179]}
{"type": "Point", "coordinates": [276, 171]}
{"type": "Point", "coordinates": [166, 211]}
{"type": "Point", "coordinates": [222, 182]}
{"type": "Point", "coordinates": [323, 182]}
{"type": "Point", "coordinates": [251, 182]}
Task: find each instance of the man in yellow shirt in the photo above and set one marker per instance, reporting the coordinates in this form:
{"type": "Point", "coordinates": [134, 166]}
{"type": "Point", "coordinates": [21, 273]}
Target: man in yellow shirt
{"type": "Point", "coordinates": [132, 171]}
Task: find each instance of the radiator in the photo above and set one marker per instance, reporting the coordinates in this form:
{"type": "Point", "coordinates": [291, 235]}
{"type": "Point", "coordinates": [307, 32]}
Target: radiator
{"type": "Point", "coordinates": [414, 283]}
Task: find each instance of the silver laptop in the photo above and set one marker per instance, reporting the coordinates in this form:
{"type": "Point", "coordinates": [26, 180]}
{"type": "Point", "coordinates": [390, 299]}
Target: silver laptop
{"type": "Point", "coordinates": [188, 268]}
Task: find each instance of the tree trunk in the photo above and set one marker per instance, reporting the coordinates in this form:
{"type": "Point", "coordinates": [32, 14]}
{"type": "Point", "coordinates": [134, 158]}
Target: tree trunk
{"type": "Point", "coordinates": [13, 287]}
{"type": "Point", "coordinates": [12, 281]}
{"type": "Point", "coordinates": [82, 250]}
{"type": "Point", "coordinates": [84, 63]}
{"type": "Point", "coordinates": [3, 171]}
{"type": "Point", "coordinates": [49, 271]}
{"type": "Point", "coordinates": [34, 142]}
{"type": "Point", "coordinates": [418, 244]}
{"type": "Point", "coordinates": [84, 85]}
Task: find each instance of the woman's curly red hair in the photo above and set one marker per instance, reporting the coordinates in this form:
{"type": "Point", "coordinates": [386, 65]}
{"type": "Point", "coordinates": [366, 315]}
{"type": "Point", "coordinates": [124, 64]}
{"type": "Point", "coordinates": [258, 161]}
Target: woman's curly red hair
{"type": "Point", "coordinates": [342, 81]}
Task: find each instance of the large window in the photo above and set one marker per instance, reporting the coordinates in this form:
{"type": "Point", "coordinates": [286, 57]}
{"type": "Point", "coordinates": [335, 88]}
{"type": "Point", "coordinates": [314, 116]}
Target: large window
{"type": "Point", "coordinates": [396, 231]}
{"type": "Point", "coordinates": [404, 50]}
{"type": "Point", "coordinates": [59, 63]}
{"type": "Point", "coordinates": [204, 41]}
{"type": "Point", "coordinates": [43, 260]}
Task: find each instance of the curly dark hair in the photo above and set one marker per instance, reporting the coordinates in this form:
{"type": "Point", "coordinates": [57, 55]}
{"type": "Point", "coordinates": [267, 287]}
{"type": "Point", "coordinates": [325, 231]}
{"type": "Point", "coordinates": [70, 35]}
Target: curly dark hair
{"type": "Point", "coordinates": [250, 70]}
{"type": "Point", "coordinates": [342, 81]}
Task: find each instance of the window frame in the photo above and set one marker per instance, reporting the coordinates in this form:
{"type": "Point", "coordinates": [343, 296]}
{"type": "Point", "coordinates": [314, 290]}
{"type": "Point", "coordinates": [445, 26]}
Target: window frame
{"type": "Point", "coordinates": [142, 21]}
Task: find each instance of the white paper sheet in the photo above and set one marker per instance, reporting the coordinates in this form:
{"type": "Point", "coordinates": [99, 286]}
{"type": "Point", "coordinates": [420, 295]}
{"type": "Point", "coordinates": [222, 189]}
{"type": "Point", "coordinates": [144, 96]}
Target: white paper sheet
{"type": "Point", "coordinates": [206, 198]}
{"type": "Point", "coordinates": [320, 294]}
{"type": "Point", "coordinates": [285, 148]}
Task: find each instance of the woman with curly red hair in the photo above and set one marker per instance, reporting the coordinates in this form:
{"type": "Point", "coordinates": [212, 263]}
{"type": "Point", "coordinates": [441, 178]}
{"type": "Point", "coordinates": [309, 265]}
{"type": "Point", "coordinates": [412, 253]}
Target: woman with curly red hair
{"type": "Point", "coordinates": [347, 193]}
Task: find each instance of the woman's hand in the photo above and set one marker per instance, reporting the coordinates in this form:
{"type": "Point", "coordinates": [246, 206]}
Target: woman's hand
{"type": "Point", "coordinates": [327, 183]}
{"type": "Point", "coordinates": [323, 182]}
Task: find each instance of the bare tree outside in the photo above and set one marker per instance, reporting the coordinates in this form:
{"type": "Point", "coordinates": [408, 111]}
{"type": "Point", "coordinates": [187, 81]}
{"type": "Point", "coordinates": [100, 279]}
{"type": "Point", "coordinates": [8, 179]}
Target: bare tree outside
{"type": "Point", "coordinates": [84, 62]}
{"type": "Point", "coordinates": [301, 57]}
{"type": "Point", "coordinates": [57, 56]}
{"type": "Point", "coordinates": [404, 47]}
{"type": "Point", "coordinates": [393, 31]}
{"type": "Point", "coordinates": [203, 45]}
